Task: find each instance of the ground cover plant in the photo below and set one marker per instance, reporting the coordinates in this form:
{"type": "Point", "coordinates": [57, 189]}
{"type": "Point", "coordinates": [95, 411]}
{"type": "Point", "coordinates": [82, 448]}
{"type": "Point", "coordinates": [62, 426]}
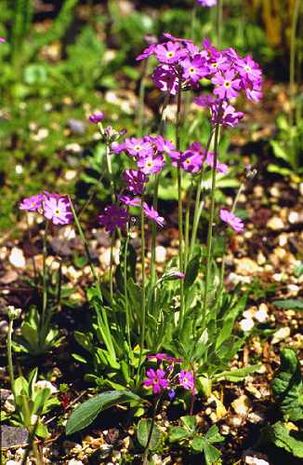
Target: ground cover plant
{"type": "Point", "coordinates": [152, 284]}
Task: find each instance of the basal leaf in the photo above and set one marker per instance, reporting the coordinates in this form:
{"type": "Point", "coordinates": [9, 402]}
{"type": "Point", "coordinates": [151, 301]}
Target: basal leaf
{"type": "Point", "coordinates": [289, 304]}
{"type": "Point", "coordinates": [143, 432]}
{"type": "Point", "coordinates": [87, 412]}
{"type": "Point", "coordinates": [287, 386]}
{"type": "Point", "coordinates": [281, 437]}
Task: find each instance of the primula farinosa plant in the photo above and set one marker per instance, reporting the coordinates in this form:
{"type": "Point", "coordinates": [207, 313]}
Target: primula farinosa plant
{"type": "Point", "coordinates": [184, 310]}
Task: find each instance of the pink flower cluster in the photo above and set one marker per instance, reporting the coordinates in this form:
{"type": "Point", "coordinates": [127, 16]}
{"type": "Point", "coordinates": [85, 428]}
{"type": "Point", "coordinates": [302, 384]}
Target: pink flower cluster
{"type": "Point", "coordinates": [166, 377]}
{"type": "Point", "coordinates": [54, 207]}
{"type": "Point", "coordinates": [207, 3]}
{"type": "Point", "coordinates": [181, 65]}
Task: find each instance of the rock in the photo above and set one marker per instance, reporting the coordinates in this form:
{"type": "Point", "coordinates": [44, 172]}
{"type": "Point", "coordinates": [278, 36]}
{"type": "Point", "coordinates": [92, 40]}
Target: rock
{"type": "Point", "coordinates": [16, 258]}
{"type": "Point", "coordinates": [246, 324]}
{"type": "Point", "coordinates": [261, 314]}
{"type": "Point", "coordinates": [280, 335]}
{"type": "Point", "coordinates": [12, 436]}
{"type": "Point", "coordinates": [9, 277]}
{"type": "Point", "coordinates": [161, 254]}
{"type": "Point", "coordinates": [246, 266]}
{"type": "Point", "coordinates": [241, 405]}
{"type": "Point", "coordinates": [275, 223]}
{"type": "Point", "coordinates": [250, 460]}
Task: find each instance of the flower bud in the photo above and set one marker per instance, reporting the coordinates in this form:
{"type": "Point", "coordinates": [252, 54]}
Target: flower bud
{"type": "Point", "coordinates": [13, 313]}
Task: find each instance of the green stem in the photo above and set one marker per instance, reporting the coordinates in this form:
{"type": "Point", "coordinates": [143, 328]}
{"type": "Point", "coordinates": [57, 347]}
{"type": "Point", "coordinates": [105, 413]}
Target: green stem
{"type": "Point", "coordinates": [10, 358]}
{"type": "Point", "coordinates": [143, 322]}
{"type": "Point", "coordinates": [210, 226]}
{"type": "Point", "coordinates": [111, 264]}
{"type": "Point", "coordinates": [240, 190]}
{"type": "Point", "coordinates": [293, 59]}
{"type": "Point", "coordinates": [154, 234]}
{"type": "Point", "coordinates": [150, 433]}
{"type": "Point", "coordinates": [180, 207]}
{"type": "Point", "coordinates": [127, 314]}
{"type": "Point", "coordinates": [198, 206]}
{"type": "Point", "coordinates": [187, 217]}
{"type": "Point", "coordinates": [141, 98]}
{"type": "Point", "coordinates": [43, 321]}
{"type": "Point", "coordinates": [219, 21]}
{"type": "Point", "coordinates": [108, 340]}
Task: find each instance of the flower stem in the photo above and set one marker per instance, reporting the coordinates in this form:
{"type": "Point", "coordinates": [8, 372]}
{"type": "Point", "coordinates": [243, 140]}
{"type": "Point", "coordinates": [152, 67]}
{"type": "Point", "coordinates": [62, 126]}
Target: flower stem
{"type": "Point", "coordinates": [127, 315]}
{"type": "Point", "coordinates": [10, 357]}
{"type": "Point", "coordinates": [101, 312]}
{"type": "Point", "coordinates": [43, 321]}
{"type": "Point", "coordinates": [143, 320]}
{"type": "Point", "coordinates": [292, 59]}
{"type": "Point", "coordinates": [219, 21]}
{"type": "Point", "coordinates": [198, 206]}
{"type": "Point", "coordinates": [150, 433]}
{"type": "Point", "coordinates": [180, 207]}
{"type": "Point", "coordinates": [222, 271]}
{"type": "Point", "coordinates": [210, 227]}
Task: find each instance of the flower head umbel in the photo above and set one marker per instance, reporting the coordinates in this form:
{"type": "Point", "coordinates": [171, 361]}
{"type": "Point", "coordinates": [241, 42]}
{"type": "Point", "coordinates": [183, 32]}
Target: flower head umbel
{"type": "Point", "coordinates": [57, 209]}
{"type": "Point", "coordinates": [32, 204]}
{"type": "Point", "coordinates": [135, 180]}
{"type": "Point", "coordinates": [113, 217]}
{"type": "Point", "coordinates": [232, 220]}
{"type": "Point", "coordinates": [187, 380]}
{"type": "Point", "coordinates": [156, 379]}
{"type": "Point", "coordinates": [54, 207]}
{"type": "Point", "coordinates": [96, 117]}
{"type": "Point", "coordinates": [207, 3]}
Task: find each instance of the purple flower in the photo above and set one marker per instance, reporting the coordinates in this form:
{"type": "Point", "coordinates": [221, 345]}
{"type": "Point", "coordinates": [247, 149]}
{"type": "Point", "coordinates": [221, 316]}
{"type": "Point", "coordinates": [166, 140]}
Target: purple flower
{"type": "Point", "coordinates": [232, 220]}
{"type": "Point", "coordinates": [153, 215]}
{"type": "Point", "coordinates": [32, 204]}
{"type": "Point", "coordinates": [227, 85]}
{"type": "Point", "coordinates": [113, 217]}
{"type": "Point", "coordinates": [169, 53]}
{"type": "Point", "coordinates": [135, 180]}
{"type": "Point", "coordinates": [2, 40]}
{"type": "Point", "coordinates": [187, 380]}
{"type": "Point", "coordinates": [96, 117]}
{"type": "Point", "coordinates": [130, 201]}
{"type": "Point", "coordinates": [207, 3]}
{"type": "Point", "coordinates": [137, 147]}
{"type": "Point", "coordinates": [147, 52]}
{"type": "Point", "coordinates": [220, 168]}
{"type": "Point", "coordinates": [57, 209]}
{"type": "Point", "coordinates": [165, 79]}
{"type": "Point", "coordinates": [221, 111]}
{"type": "Point", "coordinates": [151, 164]}
{"type": "Point", "coordinates": [194, 68]}
{"type": "Point", "coordinates": [156, 379]}
{"type": "Point", "coordinates": [191, 161]}
{"type": "Point", "coordinates": [162, 357]}
{"type": "Point", "coordinates": [171, 394]}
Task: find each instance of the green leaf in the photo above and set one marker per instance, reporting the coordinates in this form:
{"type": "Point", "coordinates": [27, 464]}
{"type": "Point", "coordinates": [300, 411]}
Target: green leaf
{"type": "Point", "coordinates": [280, 151]}
{"type": "Point", "coordinates": [236, 375]}
{"type": "Point", "coordinates": [190, 422]}
{"type": "Point", "coordinates": [198, 443]}
{"type": "Point", "coordinates": [213, 435]}
{"type": "Point", "coordinates": [87, 412]}
{"type": "Point", "coordinates": [287, 386]}
{"type": "Point", "coordinates": [289, 304]}
{"type": "Point", "coordinates": [143, 432]}
{"type": "Point", "coordinates": [281, 437]}
{"type": "Point", "coordinates": [176, 433]}
{"type": "Point", "coordinates": [192, 271]}
{"type": "Point", "coordinates": [211, 453]}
